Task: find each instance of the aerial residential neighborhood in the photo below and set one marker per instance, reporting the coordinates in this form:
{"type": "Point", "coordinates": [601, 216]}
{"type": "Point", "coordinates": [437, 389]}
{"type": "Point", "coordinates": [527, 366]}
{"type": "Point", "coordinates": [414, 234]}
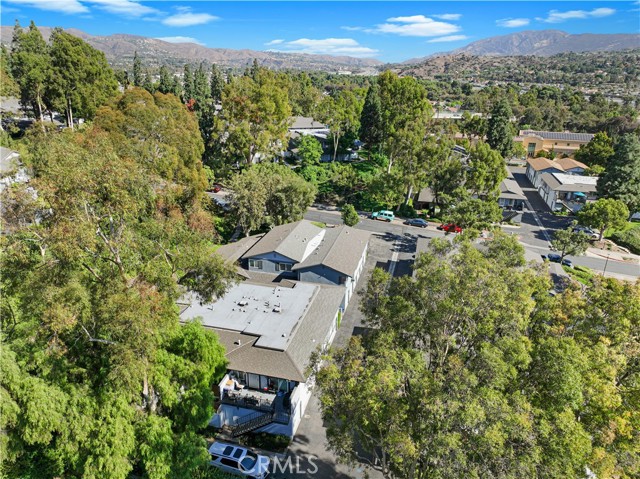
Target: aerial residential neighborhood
{"type": "Point", "coordinates": [400, 242]}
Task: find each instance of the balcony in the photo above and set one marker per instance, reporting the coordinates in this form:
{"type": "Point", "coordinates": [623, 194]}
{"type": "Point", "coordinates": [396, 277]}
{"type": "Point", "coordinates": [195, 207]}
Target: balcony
{"type": "Point", "coordinates": [235, 395]}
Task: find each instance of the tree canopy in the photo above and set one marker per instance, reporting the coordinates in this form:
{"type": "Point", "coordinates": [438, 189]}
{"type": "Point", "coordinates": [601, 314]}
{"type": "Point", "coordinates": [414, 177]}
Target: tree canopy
{"type": "Point", "coordinates": [269, 194]}
{"type": "Point", "coordinates": [621, 179]}
{"type": "Point", "coordinates": [473, 370]}
{"type": "Point", "coordinates": [99, 379]}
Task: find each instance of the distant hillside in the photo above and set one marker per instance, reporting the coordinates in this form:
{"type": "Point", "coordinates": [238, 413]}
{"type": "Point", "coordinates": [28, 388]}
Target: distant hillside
{"type": "Point", "coordinates": [545, 43]}
{"type": "Point", "coordinates": [616, 73]}
{"type": "Point", "coordinates": [120, 49]}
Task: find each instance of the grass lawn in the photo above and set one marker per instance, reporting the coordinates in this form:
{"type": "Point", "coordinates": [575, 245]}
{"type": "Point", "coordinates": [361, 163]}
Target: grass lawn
{"type": "Point", "coordinates": [581, 274]}
{"type": "Point", "coordinates": [629, 226]}
{"type": "Point", "coordinates": [319, 224]}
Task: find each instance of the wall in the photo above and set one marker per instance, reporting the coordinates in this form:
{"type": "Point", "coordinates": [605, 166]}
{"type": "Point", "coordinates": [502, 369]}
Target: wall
{"type": "Point", "coordinates": [269, 262]}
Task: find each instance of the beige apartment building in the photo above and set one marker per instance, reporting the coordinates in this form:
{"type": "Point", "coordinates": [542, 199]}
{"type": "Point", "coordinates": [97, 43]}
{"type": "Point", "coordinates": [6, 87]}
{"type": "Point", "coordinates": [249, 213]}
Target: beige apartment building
{"type": "Point", "coordinates": [560, 142]}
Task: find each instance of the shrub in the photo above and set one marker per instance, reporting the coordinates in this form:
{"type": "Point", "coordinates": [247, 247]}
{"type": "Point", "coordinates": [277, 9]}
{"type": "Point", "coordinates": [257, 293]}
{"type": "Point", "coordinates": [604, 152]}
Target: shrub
{"type": "Point", "coordinates": [350, 215]}
{"type": "Point", "coordinates": [629, 239]}
{"type": "Point", "coordinates": [407, 211]}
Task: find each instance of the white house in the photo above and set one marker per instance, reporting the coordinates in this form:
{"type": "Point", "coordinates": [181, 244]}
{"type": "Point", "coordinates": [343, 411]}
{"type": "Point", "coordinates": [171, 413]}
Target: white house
{"type": "Point", "coordinates": [270, 334]}
{"type": "Point", "coordinates": [536, 167]}
{"type": "Point", "coordinates": [559, 190]}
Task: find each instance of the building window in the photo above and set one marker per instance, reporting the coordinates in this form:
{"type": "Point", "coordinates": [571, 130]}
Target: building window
{"type": "Point", "coordinates": [568, 144]}
{"type": "Point", "coordinates": [342, 279]}
{"type": "Point", "coordinates": [283, 266]}
{"type": "Point", "coordinates": [255, 263]}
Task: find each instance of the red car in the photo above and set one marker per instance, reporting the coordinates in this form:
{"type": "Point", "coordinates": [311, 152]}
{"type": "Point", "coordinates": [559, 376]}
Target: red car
{"type": "Point", "coordinates": [450, 228]}
{"type": "Point", "coordinates": [216, 188]}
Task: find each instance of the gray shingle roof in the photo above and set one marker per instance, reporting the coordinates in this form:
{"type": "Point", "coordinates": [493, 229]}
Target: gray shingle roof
{"type": "Point", "coordinates": [341, 250]}
{"type": "Point", "coordinates": [510, 189]}
{"type": "Point", "coordinates": [290, 240]}
{"type": "Point", "coordinates": [232, 252]}
{"type": "Point", "coordinates": [305, 123]}
{"type": "Point", "coordinates": [292, 363]}
{"type": "Point", "coordinates": [558, 135]}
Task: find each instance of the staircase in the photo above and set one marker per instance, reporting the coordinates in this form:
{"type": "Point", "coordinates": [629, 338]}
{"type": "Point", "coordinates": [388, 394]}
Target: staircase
{"type": "Point", "coordinates": [251, 422]}
{"type": "Point", "coordinates": [509, 215]}
{"type": "Point", "coordinates": [256, 420]}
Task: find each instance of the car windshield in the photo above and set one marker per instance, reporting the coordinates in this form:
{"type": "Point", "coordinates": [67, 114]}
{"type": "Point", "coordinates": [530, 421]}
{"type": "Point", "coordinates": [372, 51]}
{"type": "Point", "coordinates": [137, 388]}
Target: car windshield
{"type": "Point", "coordinates": [249, 461]}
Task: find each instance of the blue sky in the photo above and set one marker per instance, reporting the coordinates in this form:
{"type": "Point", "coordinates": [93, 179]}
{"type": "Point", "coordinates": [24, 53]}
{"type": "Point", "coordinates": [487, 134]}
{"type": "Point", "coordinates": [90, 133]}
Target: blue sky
{"type": "Point", "coordinates": [388, 31]}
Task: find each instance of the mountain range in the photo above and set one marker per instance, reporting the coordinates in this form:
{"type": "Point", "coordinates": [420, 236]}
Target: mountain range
{"type": "Point", "coordinates": [120, 48]}
{"type": "Point", "coordinates": [544, 43]}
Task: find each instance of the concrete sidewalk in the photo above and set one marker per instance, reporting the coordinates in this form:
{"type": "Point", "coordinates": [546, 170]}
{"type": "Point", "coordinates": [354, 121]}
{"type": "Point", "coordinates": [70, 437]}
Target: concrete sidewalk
{"type": "Point", "coordinates": [628, 258]}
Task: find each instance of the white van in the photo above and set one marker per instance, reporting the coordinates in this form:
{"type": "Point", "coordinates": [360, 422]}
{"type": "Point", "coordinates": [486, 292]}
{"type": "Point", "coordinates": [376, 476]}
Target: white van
{"type": "Point", "coordinates": [238, 461]}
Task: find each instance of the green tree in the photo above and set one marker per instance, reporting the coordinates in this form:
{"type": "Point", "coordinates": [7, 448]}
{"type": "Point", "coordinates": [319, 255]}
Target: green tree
{"type": "Point", "coordinates": [8, 85]}
{"type": "Point", "coordinates": [506, 249]}
{"type": "Point", "coordinates": [341, 113]}
{"type": "Point", "coordinates": [371, 132]}
{"type": "Point", "coordinates": [270, 194]}
{"type": "Point", "coordinates": [309, 151]}
{"type": "Point", "coordinates": [444, 171]}
{"type": "Point", "coordinates": [499, 130]}
{"type": "Point", "coordinates": [405, 111]}
{"type": "Point", "coordinates": [31, 68]}
{"type": "Point", "coordinates": [597, 152]}
{"type": "Point", "coordinates": [603, 214]}
{"type": "Point", "coordinates": [167, 82]}
{"type": "Point", "coordinates": [138, 75]}
{"type": "Point", "coordinates": [201, 88]}
{"type": "Point", "coordinates": [475, 213]}
{"type": "Point", "coordinates": [99, 378]}
{"type": "Point", "coordinates": [570, 242]}
{"type": "Point", "coordinates": [349, 215]}
{"type": "Point", "coordinates": [188, 87]}
{"type": "Point", "coordinates": [506, 382]}
{"type": "Point", "coordinates": [253, 123]}
{"type": "Point", "coordinates": [159, 132]}
{"type": "Point", "coordinates": [82, 77]}
{"type": "Point", "coordinates": [621, 179]}
{"type": "Point", "coordinates": [486, 171]}
{"type": "Point", "coordinates": [303, 96]}
{"type": "Point", "coordinates": [217, 83]}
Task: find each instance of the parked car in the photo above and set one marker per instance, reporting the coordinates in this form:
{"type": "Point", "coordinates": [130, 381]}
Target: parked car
{"type": "Point", "coordinates": [383, 215]}
{"type": "Point", "coordinates": [216, 188]}
{"type": "Point", "coordinates": [417, 222]}
{"type": "Point", "coordinates": [450, 228]}
{"type": "Point", "coordinates": [556, 258]}
{"type": "Point", "coordinates": [588, 231]}
{"type": "Point", "coordinates": [238, 460]}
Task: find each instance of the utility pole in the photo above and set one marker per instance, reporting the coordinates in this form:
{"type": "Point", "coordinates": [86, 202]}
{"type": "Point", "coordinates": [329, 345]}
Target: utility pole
{"type": "Point", "coordinates": [605, 264]}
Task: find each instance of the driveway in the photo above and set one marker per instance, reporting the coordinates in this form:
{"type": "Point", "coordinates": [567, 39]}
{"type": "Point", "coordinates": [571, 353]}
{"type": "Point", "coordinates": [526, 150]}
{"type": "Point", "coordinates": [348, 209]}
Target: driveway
{"type": "Point", "coordinates": [310, 442]}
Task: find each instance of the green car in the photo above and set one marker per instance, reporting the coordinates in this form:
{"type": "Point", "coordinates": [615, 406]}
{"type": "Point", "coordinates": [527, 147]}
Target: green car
{"type": "Point", "coordinates": [383, 215]}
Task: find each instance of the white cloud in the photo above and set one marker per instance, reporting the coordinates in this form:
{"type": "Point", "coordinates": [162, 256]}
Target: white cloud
{"type": "Point", "coordinates": [415, 26]}
{"type": "Point", "coordinates": [353, 29]}
{"type": "Point", "coordinates": [555, 16]}
{"type": "Point", "coordinates": [327, 46]}
{"type": "Point", "coordinates": [512, 22]}
{"type": "Point", "coordinates": [448, 16]}
{"type": "Point", "coordinates": [450, 38]}
{"type": "Point", "coordinates": [275, 42]}
{"type": "Point", "coordinates": [179, 39]}
{"type": "Point", "coordinates": [63, 6]}
{"type": "Point", "coordinates": [124, 7]}
{"type": "Point", "coordinates": [186, 18]}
